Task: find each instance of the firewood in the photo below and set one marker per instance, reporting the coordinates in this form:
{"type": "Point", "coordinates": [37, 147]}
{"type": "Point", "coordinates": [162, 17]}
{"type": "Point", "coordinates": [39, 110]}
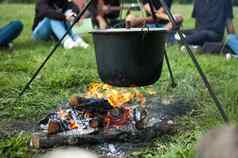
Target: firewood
{"type": "Point", "coordinates": [90, 104]}
{"type": "Point", "coordinates": [74, 101]}
{"type": "Point", "coordinates": [42, 140]}
{"type": "Point", "coordinates": [53, 127]}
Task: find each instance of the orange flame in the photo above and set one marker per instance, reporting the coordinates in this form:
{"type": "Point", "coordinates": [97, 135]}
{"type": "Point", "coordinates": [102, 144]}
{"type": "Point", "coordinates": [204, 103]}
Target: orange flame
{"type": "Point", "coordinates": [73, 124]}
{"type": "Point", "coordinates": [141, 98]}
{"type": "Point", "coordinates": [117, 97]}
{"type": "Point", "coordinates": [62, 114]}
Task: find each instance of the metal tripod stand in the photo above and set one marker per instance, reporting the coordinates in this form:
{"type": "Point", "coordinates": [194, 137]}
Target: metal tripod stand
{"type": "Point", "coordinates": [172, 20]}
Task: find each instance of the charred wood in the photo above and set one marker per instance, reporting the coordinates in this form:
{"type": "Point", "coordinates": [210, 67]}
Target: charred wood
{"type": "Point", "coordinates": [42, 140]}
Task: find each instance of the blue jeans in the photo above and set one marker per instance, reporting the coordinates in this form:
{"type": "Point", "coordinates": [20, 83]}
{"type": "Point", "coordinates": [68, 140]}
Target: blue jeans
{"type": "Point", "coordinates": [232, 42]}
{"type": "Point", "coordinates": [9, 32]}
{"type": "Point", "coordinates": [199, 37]}
{"type": "Point", "coordinates": [49, 28]}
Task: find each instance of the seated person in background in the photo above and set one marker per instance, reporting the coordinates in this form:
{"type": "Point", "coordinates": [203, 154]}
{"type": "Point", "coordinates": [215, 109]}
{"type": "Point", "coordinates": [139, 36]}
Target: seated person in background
{"type": "Point", "coordinates": [81, 4]}
{"type": "Point", "coordinates": [52, 19]}
{"type": "Point", "coordinates": [9, 32]}
{"type": "Point", "coordinates": [160, 13]}
{"type": "Point", "coordinates": [212, 16]}
{"type": "Point", "coordinates": [105, 12]}
{"type": "Point", "coordinates": [84, 25]}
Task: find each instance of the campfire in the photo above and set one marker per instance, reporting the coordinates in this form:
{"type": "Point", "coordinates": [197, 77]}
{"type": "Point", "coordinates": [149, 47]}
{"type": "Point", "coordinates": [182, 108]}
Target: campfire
{"type": "Point", "coordinates": [105, 114]}
{"type": "Point", "coordinates": [102, 107]}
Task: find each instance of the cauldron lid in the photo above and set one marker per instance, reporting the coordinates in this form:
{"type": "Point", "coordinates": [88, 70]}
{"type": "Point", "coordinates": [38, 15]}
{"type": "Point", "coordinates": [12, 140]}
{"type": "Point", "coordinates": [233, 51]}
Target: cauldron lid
{"type": "Point", "coordinates": [120, 30]}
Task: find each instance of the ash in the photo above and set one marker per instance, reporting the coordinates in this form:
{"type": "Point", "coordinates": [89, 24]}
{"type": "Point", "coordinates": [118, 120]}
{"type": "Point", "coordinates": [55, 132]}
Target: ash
{"type": "Point", "coordinates": [111, 151]}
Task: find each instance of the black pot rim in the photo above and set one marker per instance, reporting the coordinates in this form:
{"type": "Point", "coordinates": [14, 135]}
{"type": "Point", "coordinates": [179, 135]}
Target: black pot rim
{"type": "Point", "coordinates": [121, 30]}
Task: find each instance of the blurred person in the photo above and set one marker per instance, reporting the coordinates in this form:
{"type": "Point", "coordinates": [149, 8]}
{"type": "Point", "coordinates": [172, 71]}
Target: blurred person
{"type": "Point", "coordinates": [219, 143]}
{"type": "Point", "coordinates": [160, 13]}
{"type": "Point", "coordinates": [52, 19]}
{"type": "Point", "coordinates": [232, 43]}
{"type": "Point", "coordinates": [10, 32]}
{"type": "Point", "coordinates": [232, 40]}
{"type": "Point", "coordinates": [81, 4]}
{"type": "Point", "coordinates": [211, 19]}
{"type": "Point", "coordinates": [84, 25]}
{"type": "Point", "coordinates": [105, 13]}
{"type": "Point", "coordinates": [71, 152]}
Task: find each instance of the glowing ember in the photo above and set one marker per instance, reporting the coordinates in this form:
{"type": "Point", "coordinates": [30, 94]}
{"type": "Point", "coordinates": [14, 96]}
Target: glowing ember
{"type": "Point", "coordinates": [88, 115]}
{"type": "Point", "coordinates": [73, 124]}
{"type": "Point", "coordinates": [111, 121]}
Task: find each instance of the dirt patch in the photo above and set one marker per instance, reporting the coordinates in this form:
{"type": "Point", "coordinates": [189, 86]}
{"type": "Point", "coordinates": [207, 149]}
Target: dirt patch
{"type": "Point", "coordinates": [12, 127]}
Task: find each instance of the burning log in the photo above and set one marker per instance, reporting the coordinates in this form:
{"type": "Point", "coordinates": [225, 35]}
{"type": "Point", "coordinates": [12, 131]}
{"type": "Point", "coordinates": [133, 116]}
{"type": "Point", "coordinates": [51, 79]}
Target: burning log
{"type": "Point", "coordinates": [90, 104]}
{"type": "Point", "coordinates": [86, 121]}
{"type": "Point", "coordinates": [83, 113]}
{"type": "Point", "coordinates": [42, 140]}
{"type": "Point", "coordinates": [143, 130]}
{"type": "Point", "coordinates": [117, 118]}
{"type": "Point", "coordinates": [53, 127]}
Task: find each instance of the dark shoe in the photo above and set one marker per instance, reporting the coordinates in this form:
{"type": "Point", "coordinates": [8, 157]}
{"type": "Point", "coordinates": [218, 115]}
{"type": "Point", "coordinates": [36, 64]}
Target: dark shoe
{"type": "Point", "coordinates": [8, 47]}
{"type": "Point", "coordinates": [194, 48]}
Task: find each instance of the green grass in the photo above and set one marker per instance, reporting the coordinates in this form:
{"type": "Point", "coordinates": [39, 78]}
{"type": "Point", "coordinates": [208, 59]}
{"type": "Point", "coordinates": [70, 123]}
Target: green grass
{"type": "Point", "coordinates": [69, 72]}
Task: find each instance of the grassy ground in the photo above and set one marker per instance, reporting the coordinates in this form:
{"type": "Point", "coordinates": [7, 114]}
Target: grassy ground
{"type": "Point", "coordinates": [69, 72]}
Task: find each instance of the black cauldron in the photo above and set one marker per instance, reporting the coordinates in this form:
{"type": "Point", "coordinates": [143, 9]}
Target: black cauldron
{"type": "Point", "coordinates": [129, 57]}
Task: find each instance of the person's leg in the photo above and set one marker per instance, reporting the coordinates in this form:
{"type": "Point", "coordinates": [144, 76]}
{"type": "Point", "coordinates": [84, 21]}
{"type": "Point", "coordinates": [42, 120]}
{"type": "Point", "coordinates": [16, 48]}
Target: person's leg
{"type": "Point", "coordinates": [232, 42]}
{"type": "Point", "coordinates": [200, 37]}
{"type": "Point", "coordinates": [73, 35]}
{"type": "Point", "coordinates": [10, 32]}
{"type": "Point", "coordinates": [42, 30]}
{"type": "Point", "coordinates": [59, 28]}
{"type": "Point", "coordinates": [213, 36]}
{"type": "Point", "coordinates": [188, 32]}
{"type": "Point", "coordinates": [102, 22]}
{"type": "Point", "coordinates": [76, 38]}
{"type": "Point", "coordinates": [134, 21]}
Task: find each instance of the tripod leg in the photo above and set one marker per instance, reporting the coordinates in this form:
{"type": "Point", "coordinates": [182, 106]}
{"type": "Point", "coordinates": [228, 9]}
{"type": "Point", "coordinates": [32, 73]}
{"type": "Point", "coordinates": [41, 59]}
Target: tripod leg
{"type": "Point", "coordinates": [77, 18]}
{"type": "Point", "coordinates": [198, 67]}
{"type": "Point", "coordinates": [173, 84]}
